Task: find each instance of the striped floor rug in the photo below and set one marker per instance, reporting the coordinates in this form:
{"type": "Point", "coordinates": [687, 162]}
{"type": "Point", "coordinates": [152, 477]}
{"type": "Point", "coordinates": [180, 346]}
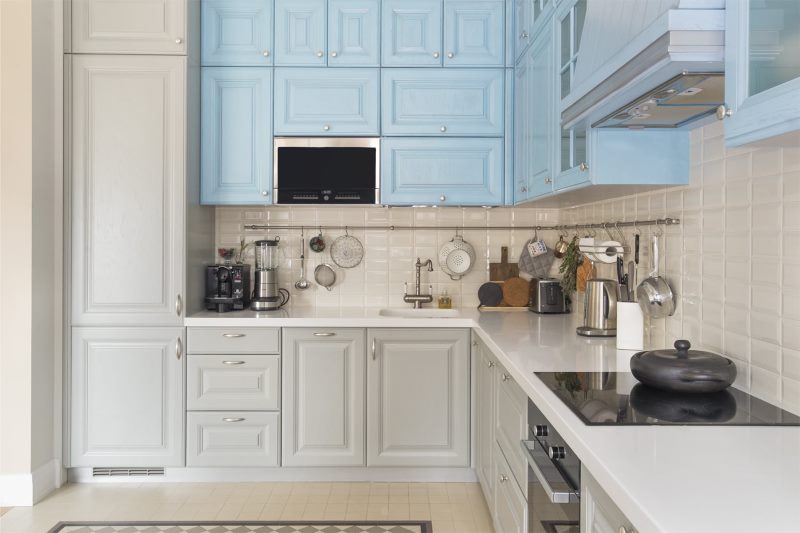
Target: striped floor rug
{"type": "Point", "coordinates": [244, 527]}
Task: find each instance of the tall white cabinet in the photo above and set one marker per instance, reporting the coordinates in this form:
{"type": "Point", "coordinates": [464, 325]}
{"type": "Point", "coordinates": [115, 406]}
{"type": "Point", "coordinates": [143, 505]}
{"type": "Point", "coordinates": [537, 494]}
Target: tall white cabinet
{"type": "Point", "coordinates": [418, 397]}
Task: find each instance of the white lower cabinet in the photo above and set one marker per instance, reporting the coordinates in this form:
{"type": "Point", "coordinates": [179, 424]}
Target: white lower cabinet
{"type": "Point", "coordinates": [509, 508]}
{"type": "Point", "coordinates": [323, 397]}
{"type": "Point", "coordinates": [418, 397]}
{"type": "Point", "coordinates": [599, 513]}
{"type": "Point", "coordinates": [126, 397]}
{"type": "Point", "coordinates": [248, 382]}
{"type": "Point", "coordinates": [511, 425]}
{"type": "Point", "coordinates": [485, 370]}
{"type": "Point", "coordinates": [232, 438]}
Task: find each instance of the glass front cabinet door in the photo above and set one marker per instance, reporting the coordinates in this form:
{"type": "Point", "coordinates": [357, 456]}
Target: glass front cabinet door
{"type": "Point", "coordinates": [762, 72]}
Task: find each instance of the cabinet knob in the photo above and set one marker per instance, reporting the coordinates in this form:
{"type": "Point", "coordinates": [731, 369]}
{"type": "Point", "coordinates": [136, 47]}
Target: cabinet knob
{"type": "Point", "coordinates": [265, 53]}
{"type": "Point", "coordinates": [523, 35]}
{"type": "Point", "coordinates": [505, 377]}
{"type": "Point", "coordinates": [623, 529]}
{"type": "Point", "coordinates": [723, 112]}
{"type": "Point", "coordinates": [326, 127]}
{"type": "Point", "coordinates": [490, 364]}
{"type": "Point", "coordinates": [503, 478]}
{"type": "Point", "coordinates": [178, 40]}
{"type": "Point", "coordinates": [548, 180]}
{"type": "Point", "coordinates": [541, 430]}
{"type": "Point", "coordinates": [556, 453]}
{"type": "Point", "coordinates": [436, 55]}
{"type": "Point", "coordinates": [320, 54]}
{"type": "Point", "coordinates": [334, 54]}
{"type": "Point", "coordinates": [264, 193]}
{"type": "Point", "coordinates": [442, 198]}
{"type": "Point", "coordinates": [524, 189]}
{"type": "Point", "coordinates": [450, 55]}
{"type": "Point", "coordinates": [443, 129]}
{"type": "Point", "coordinates": [584, 167]}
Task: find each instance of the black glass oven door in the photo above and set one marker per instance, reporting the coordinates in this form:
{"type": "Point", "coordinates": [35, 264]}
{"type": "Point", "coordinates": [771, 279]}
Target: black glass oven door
{"type": "Point", "coordinates": [553, 502]}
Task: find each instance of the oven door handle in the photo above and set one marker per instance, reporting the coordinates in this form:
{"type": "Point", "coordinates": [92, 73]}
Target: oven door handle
{"type": "Point", "coordinates": [529, 446]}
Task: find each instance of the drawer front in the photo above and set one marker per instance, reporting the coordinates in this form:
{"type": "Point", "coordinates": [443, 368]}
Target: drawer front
{"type": "Point", "coordinates": [512, 424]}
{"type": "Point", "coordinates": [232, 438]}
{"type": "Point", "coordinates": [442, 171]}
{"type": "Point", "coordinates": [509, 507]}
{"type": "Point", "coordinates": [234, 340]}
{"type": "Point", "coordinates": [235, 382]}
{"type": "Point", "coordinates": [443, 102]}
{"type": "Point", "coordinates": [326, 101]}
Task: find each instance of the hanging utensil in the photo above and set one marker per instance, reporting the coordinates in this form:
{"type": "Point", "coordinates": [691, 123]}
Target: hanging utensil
{"type": "Point", "coordinates": [654, 293]}
{"type": "Point", "coordinates": [317, 243]}
{"type": "Point", "coordinates": [302, 283]}
{"type": "Point", "coordinates": [325, 276]}
{"type": "Point", "coordinates": [347, 251]}
{"type": "Point", "coordinates": [456, 257]}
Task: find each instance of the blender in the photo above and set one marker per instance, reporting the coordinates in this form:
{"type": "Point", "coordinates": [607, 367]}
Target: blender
{"type": "Point", "coordinates": [266, 293]}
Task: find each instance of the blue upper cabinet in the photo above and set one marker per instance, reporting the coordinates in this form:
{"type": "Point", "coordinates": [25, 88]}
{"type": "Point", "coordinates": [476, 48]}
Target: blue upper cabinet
{"type": "Point", "coordinates": [762, 70]}
{"type": "Point", "coordinates": [300, 32]}
{"type": "Point", "coordinates": [412, 33]}
{"type": "Point", "coordinates": [474, 33]}
{"type": "Point", "coordinates": [530, 17]}
{"type": "Point", "coordinates": [354, 33]}
{"type": "Point", "coordinates": [324, 101]}
{"type": "Point", "coordinates": [236, 141]}
{"type": "Point", "coordinates": [542, 115]}
{"type": "Point", "coordinates": [442, 102]}
{"type": "Point", "coordinates": [236, 32]}
{"type": "Point", "coordinates": [437, 171]}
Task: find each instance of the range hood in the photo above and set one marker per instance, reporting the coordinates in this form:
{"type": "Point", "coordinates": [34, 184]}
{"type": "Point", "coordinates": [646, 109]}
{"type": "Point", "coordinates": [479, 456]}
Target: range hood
{"type": "Point", "coordinates": [647, 64]}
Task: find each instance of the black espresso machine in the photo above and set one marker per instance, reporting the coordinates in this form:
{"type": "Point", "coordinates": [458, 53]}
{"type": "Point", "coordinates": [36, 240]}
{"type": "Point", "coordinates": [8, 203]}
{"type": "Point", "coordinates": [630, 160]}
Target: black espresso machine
{"type": "Point", "coordinates": [227, 287]}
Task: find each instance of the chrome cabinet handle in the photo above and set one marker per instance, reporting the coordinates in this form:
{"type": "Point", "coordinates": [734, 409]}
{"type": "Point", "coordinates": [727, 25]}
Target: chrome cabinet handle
{"type": "Point", "coordinates": [548, 180]}
{"type": "Point", "coordinates": [178, 40]}
{"type": "Point", "coordinates": [334, 54]}
{"type": "Point", "coordinates": [179, 348]}
{"type": "Point", "coordinates": [443, 129]}
{"type": "Point", "coordinates": [584, 167]}
{"type": "Point", "coordinates": [442, 198]}
{"type": "Point", "coordinates": [503, 478]}
{"type": "Point", "coordinates": [233, 419]}
{"type": "Point", "coordinates": [320, 54]}
{"type": "Point", "coordinates": [523, 35]}
{"type": "Point", "coordinates": [474, 343]}
{"type": "Point", "coordinates": [450, 55]}
{"type": "Point", "coordinates": [178, 305]}
{"type": "Point", "coordinates": [374, 354]}
{"type": "Point", "coordinates": [555, 496]}
{"type": "Point", "coordinates": [505, 377]}
{"type": "Point", "coordinates": [233, 335]}
{"type": "Point", "coordinates": [723, 112]}
{"type": "Point", "coordinates": [324, 334]}
{"type": "Point", "coordinates": [524, 189]}
{"type": "Point", "coordinates": [265, 53]}
{"type": "Point", "coordinates": [233, 363]}
{"type": "Point", "coordinates": [264, 193]}
{"type": "Point", "coordinates": [490, 364]}
{"type": "Point", "coordinates": [436, 55]}
{"type": "Point", "coordinates": [326, 127]}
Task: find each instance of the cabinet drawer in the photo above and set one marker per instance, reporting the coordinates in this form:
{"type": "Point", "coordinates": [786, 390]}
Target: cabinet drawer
{"type": "Point", "coordinates": [510, 508]}
{"type": "Point", "coordinates": [225, 382]}
{"type": "Point", "coordinates": [233, 340]}
{"type": "Point", "coordinates": [316, 101]}
{"type": "Point", "coordinates": [442, 102]}
{"type": "Point", "coordinates": [442, 171]}
{"type": "Point", "coordinates": [512, 426]}
{"type": "Point", "coordinates": [232, 438]}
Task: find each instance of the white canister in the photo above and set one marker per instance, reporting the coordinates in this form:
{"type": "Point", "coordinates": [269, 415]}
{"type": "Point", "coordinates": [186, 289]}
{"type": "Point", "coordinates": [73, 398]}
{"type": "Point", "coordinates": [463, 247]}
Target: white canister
{"type": "Point", "coordinates": [630, 326]}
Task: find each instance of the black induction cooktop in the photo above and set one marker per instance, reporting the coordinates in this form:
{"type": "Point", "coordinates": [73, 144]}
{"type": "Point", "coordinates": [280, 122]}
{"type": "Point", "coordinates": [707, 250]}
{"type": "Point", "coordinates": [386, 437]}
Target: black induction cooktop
{"type": "Point", "coordinates": [616, 398]}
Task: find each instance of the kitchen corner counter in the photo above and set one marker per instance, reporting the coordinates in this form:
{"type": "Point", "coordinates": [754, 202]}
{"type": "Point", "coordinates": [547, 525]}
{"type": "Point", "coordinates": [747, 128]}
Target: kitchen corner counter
{"type": "Point", "coordinates": [680, 479]}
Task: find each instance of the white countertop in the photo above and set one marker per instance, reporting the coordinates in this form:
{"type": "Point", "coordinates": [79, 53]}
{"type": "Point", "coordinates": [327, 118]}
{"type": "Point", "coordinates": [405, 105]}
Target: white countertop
{"type": "Point", "coordinates": [677, 479]}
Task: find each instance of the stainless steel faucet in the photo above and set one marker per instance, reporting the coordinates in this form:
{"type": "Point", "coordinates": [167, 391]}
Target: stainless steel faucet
{"type": "Point", "coordinates": [418, 299]}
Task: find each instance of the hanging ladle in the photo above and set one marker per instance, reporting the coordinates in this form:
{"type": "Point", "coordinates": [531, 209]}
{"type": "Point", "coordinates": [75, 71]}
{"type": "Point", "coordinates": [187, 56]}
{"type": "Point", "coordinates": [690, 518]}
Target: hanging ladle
{"type": "Point", "coordinates": [302, 283]}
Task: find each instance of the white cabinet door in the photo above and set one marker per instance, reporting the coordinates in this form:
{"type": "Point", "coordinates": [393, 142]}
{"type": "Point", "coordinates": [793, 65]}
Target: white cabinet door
{"type": "Point", "coordinates": [418, 397]}
{"type": "Point", "coordinates": [599, 513]}
{"type": "Point", "coordinates": [484, 419]}
{"type": "Point", "coordinates": [233, 382]}
{"type": "Point", "coordinates": [510, 510]}
{"type": "Point", "coordinates": [232, 439]}
{"type": "Point", "coordinates": [126, 397]}
{"type": "Point", "coordinates": [128, 174]}
{"type": "Point", "coordinates": [511, 425]}
{"type": "Point", "coordinates": [129, 26]}
{"type": "Point", "coordinates": [323, 397]}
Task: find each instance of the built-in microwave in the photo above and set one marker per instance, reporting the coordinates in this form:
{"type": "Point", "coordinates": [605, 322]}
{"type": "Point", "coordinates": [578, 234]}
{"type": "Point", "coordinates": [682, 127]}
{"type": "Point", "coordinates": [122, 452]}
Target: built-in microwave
{"type": "Point", "coordinates": [326, 170]}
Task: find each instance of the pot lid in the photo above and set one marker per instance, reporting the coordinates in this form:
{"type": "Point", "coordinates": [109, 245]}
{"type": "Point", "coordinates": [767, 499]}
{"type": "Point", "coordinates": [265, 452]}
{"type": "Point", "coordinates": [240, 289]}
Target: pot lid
{"type": "Point", "coordinates": [683, 355]}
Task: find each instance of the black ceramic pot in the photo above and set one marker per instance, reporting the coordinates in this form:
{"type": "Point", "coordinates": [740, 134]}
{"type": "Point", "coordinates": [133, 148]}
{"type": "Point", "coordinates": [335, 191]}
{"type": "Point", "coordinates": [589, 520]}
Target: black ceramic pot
{"type": "Point", "coordinates": [683, 407]}
{"type": "Point", "coordinates": [683, 370]}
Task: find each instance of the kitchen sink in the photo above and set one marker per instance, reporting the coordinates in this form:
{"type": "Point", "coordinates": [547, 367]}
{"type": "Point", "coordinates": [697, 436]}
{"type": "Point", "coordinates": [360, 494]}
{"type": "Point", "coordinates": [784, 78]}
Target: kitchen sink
{"type": "Point", "coordinates": [420, 313]}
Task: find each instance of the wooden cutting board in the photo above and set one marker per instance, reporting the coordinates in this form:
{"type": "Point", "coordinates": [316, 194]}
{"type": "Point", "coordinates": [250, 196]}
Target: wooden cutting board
{"type": "Point", "coordinates": [516, 291]}
{"type": "Point", "coordinates": [586, 271]}
{"type": "Point", "coordinates": [503, 270]}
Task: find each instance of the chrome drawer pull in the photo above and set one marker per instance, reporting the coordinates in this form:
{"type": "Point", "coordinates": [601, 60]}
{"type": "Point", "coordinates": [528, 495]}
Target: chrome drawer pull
{"type": "Point", "coordinates": [233, 363]}
{"type": "Point", "coordinates": [179, 348]}
{"type": "Point", "coordinates": [503, 478]}
{"type": "Point", "coordinates": [505, 377]}
{"type": "Point", "coordinates": [555, 496]}
{"type": "Point", "coordinates": [324, 334]}
{"type": "Point", "coordinates": [233, 335]}
{"type": "Point", "coordinates": [227, 419]}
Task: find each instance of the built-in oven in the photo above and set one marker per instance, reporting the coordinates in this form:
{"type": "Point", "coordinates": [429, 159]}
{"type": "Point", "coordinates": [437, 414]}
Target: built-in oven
{"type": "Point", "coordinates": [326, 170]}
{"type": "Point", "coordinates": [553, 478]}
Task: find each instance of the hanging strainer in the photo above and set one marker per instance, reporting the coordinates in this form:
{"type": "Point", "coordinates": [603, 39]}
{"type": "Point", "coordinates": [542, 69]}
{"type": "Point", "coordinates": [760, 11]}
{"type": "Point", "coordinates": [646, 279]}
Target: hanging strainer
{"type": "Point", "coordinates": [325, 276]}
{"type": "Point", "coordinates": [347, 251]}
{"type": "Point", "coordinates": [456, 258]}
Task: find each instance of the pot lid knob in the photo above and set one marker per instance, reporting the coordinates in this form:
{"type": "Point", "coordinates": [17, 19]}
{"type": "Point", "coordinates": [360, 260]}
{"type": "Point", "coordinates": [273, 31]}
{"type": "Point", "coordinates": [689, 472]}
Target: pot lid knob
{"type": "Point", "coordinates": [682, 346]}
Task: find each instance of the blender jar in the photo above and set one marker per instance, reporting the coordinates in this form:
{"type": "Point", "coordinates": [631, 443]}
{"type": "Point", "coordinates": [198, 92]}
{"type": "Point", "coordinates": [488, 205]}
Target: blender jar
{"type": "Point", "coordinates": [267, 254]}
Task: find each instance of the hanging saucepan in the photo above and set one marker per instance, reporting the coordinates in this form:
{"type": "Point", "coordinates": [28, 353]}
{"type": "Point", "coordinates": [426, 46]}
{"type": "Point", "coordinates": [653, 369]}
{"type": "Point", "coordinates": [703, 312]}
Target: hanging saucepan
{"type": "Point", "coordinates": [654, 294]}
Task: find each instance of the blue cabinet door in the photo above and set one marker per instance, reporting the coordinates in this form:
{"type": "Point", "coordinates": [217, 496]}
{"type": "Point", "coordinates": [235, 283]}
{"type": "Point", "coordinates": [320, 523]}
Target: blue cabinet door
{"type": "Point", "coordinates": [236, 33]}
{"type": "Point", "coordinates": [762, 71]}
{"type": "Point", "coordinates": [236, 140]}
{"type": "Point", "coordinates": [436, 171]}
{"type": "Point", "coordinates": [300, 32]}
{"type": "Point", "coordinates": [442, 102]}
{"type": "Point", "coordinates": [411, 33]}
{"type": "Point", "coordinates": [325, 101]}
{"type": "Point", "coordinates": [474, 31]}
{"type": "Point", "coordinates": [542, 113]}
{"type": "Point", "coordinates": [522, 29]}
{"type": "Point", "coordinates": [354, 33]}
{"type": "Point", "coordinates": [522, 148]}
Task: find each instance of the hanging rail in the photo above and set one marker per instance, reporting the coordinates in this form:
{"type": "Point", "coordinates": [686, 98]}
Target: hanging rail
{"type": "Point", "coordinates": [557, 227]}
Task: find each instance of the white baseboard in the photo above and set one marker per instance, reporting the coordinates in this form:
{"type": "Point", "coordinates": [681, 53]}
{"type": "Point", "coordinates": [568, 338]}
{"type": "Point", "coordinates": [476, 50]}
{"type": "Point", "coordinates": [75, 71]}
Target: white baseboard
{"type": "Point", "coordinates": [230, 474]}
{"type": "Point", "coordinates": [24, 490]}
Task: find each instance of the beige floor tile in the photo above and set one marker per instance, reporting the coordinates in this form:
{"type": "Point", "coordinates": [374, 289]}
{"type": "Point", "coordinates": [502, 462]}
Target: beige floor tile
{"type": "Point", "coordinates": [418, 496]}
{"type": "Point", "coordinates": [398, 511]}
{"type": "Point", "coordinates": [443, 526]}
{"type": "Point", "coordinates": [314, 511]}
{"type": "Point", "coordinates": [318, 498]}
{"type": "Point", "coordinates": [198, 511]}
{"type": "Point", "coordinates": [380, 497]}
{"type": "Point", "coordinates": [230, 511]}
{"type": "Point", "coordinates": [250, 511]}
{"type": "Point", "coordinates": [335, 511]}
{"type": "Point", "coordinates": [293, 511]}
{"type": "Point", "coordinates": [419, 511]}
{"type": "Point", "coordinates": [359, 498]}
{"type": "Point", "coordinates": [356, 511]}
{"type": "Point", "coordinates": [272, 511]}
{"type": "Point", "coordinates": [377, 511]}
{"type": "Point", "coordinates": [442, 511]}
{"type": "Point", "coordinates": [359, 488]}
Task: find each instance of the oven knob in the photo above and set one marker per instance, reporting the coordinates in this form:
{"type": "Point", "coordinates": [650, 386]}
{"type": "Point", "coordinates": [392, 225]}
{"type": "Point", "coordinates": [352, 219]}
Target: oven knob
{"type": "Point", "coordinates": [556, 452]}
{"type": "Point", "coordinates": [326, 197]}
{"type": "Point", "coordinates": [540, 430]}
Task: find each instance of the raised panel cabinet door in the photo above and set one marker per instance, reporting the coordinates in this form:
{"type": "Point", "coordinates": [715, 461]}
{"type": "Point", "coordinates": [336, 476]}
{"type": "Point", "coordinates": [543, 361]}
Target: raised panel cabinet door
{"type": "Point", "coordinates": [232, 438]}
{"type": "Point", "coordinates": [442, 102]}
{"type": "Point", "coordinates": [326, 101]}
{"type": "Point", "coordinates": [442, 171]}
{"type": "Point", "coordinates": [323, 397]}
{"type": "Point", "coordinates": [418, 397]}
{"type": "Point", "coordinates": [127, 176]}
{"type": "Point", "coordinates": [354, 33]}
{"type": "Point", "coordinates": [411, 33]}
{"type": "Point", "coordinates": [474, 31]}
{"type": "Point", "coordinates": [126, 397]}
{"type": "Point", "coordinates": [129, 26]}
{"type": "Point", "coordinates": [300, 32]}
{"type": "Point", "coordinates": [522, 150]}
{"type": "Point", "coordinates": [236, 135]}
{"type": "Point", "coordinates": [486, 368]}
{"type": "Point", "coordinates": [522, 26]}
{"type": "Point", "coordinates": [509, 507]}
{"type": "Point", "coordinates": [511, 425]}
{"type": "Point", "coordinates": [542, 120]}
{"type": "Point", "coordinates": [233, 382]}
{"type": "Point", "coordinates": [236, 33]}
